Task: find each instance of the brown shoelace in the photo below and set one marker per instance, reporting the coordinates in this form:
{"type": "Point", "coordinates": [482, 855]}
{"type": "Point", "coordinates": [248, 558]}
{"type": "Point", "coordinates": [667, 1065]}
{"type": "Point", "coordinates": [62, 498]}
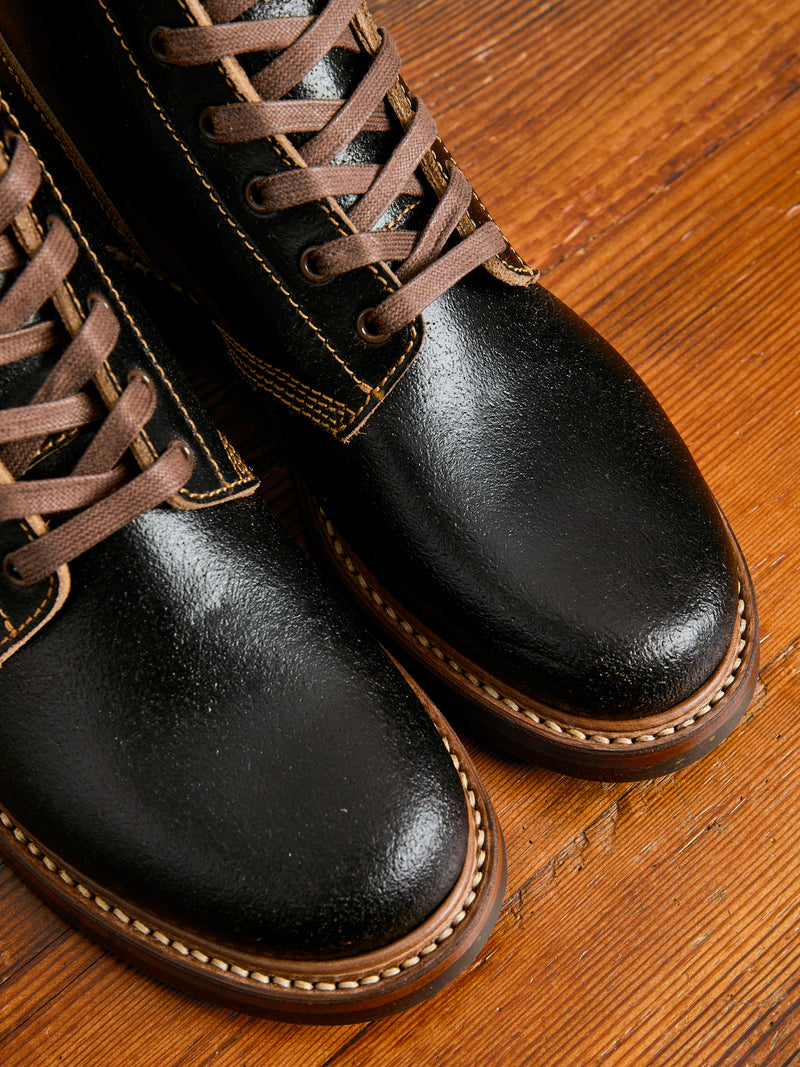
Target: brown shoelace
{"type": "Point", "coordinates": [99, 490]}
{"type": "Point", "coordinates": [424, 265]}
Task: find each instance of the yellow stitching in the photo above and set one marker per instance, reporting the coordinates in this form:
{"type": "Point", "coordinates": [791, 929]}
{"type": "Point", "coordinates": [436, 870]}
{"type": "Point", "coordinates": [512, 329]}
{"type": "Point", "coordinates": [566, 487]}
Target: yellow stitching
{"type": "Point", "coordinates": [9, 625]}
{"type": "Point", "coordinates": [376, 392]}
{"type": "Point", "coordinates": [222, 210]}
{"type": "Point", "coordinates": [148, 270]}
{"type": "Point", "coordinates": [403, 214]}
{"type": "Point", "coordinates": [286, 396]}
{"type": "Point", "coordinates": [261, 377]}
{"type": "Point", "coordinates": [52, 445]}
{"type": "Point", "coordinates": [15, 632]}
{"type": "Point", "coordinates": [236, 460]}
{"type": "Point", "coordinates": [488, 690]}
{"type": "Point", "coordinates": [280, 981]}
{"type": "Point", "coordinates": [323, 397]}
{"type": "Point", "coordinates": [23, 626]}
{"type": "Point", "coordinates": [195, 496]}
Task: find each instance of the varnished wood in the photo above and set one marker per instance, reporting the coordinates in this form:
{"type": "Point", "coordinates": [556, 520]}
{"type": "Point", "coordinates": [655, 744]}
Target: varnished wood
{"type": "Point", "coordinates": [646, 158]}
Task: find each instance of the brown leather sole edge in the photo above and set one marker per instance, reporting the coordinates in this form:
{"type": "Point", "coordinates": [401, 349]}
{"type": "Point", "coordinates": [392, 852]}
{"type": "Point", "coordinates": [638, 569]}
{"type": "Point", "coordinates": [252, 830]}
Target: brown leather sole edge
{"type": "Point", "coordinates": [604, 750]}
{"type": "Point", "coordinates": [332, 991]}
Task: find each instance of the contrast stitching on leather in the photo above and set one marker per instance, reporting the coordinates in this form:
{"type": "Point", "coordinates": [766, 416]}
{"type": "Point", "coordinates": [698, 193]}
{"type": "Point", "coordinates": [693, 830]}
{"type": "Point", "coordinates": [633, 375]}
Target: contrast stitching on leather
{"type": "Point", "coordinates": [283, 155]}
{"type": "Point", "coordinates": [285, 396]}
{"type": "Point", "coordinates": [15, 631]}
{"type": "Point", "coordinates": [226, 485]}
{"type": "Point", "coordinates": [9, 625]}
{"type": "Point", "coordinates": [262, 375]}
{"type": "Point", "coordinates": [326, 401]}
{"type": "Point", "coordinates": [403, 214]}
{"type": "Point", "coordinates": [377, 393]}
{"type": "Point", "coordinates": [529, 272]}
{"type": "Point", "coordinates": [446, 659]}
{"type": "Point", "coordinates": [55, 190]}
{"type": "Point", "coordinates": [52, 445]}
{"type": "Point", "coordinates": [237, 462]}
{"type": "Point", "coordinates": [281, 981]}
{"type": "Point", "coordinates": [221, 208]}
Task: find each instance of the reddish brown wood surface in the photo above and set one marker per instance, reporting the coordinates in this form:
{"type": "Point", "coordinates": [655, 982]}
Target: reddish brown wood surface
{"type": "Point", "coordinates": [647, 158]}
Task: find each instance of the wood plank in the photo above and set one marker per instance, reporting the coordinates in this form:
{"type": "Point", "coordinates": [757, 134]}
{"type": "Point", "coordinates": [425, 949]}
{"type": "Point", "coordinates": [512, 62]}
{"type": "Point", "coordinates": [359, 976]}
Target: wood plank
{"type": "Point", "coordinates": [648, 940]}
{"type": "Point", "coordinates": [78, 1005]}
{"type": "Point", "coordinates": [687, 288]}
{"type": "Point", "coordinates": [24, 931]}
{"type": "Point", "coordinates": [584, 110]}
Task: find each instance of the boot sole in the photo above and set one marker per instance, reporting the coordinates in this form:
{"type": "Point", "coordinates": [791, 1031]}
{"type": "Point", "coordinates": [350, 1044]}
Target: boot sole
{"type": "Point", "coordinates": [344, 990]}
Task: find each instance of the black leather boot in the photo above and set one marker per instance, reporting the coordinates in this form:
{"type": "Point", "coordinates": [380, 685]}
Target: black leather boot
{"type": "Point", "coordinates": [205, 760]}
{"type": "Point", "coordinates": [488, 477]}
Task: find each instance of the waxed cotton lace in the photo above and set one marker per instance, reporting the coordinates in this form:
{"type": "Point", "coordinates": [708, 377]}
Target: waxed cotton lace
{"type": "Point", "coordinates": [100, 491]}
{"type": "Point", "coordinates": [424, 264]}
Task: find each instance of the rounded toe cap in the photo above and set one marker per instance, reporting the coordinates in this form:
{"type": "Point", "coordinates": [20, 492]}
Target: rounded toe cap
{"type": "Point", "coordinates": [227, 750]}
{"type": "Point", "coordinates": [526, 499]}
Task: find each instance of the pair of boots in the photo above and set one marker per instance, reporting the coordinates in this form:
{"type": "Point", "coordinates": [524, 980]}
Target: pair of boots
{"type": "Point", "coordinates": [206, 760]}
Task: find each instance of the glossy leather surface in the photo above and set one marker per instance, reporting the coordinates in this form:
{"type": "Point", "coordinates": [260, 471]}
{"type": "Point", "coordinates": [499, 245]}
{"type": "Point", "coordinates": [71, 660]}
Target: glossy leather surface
{"type": "Point", "coordinates": [536, 508]}
{"type": "Point", "coordinates": [204, 729]}
{"type": "Point", "coordinates": [518, 488]}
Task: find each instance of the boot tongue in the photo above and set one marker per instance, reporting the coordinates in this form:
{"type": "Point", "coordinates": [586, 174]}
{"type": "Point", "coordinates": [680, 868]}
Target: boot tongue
{"type": "Point", "coordinates": [336, 77]}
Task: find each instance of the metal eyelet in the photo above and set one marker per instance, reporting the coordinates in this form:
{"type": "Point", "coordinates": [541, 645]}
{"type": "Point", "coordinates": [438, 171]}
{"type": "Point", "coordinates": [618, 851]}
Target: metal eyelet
{"type": "Point", "coordinates": [96, 298]}
{"type": "Point", "coordinates": [205, 122]}
{"type": "Point", "coordinates": [179, 443]}
{"type": "Point", "coordinates": [365, 333]}
{"type": "Point", "coordinates": [139, 375]}
{"type": "Point", "coordinates": [253, 196]}
{"type": "Point", "coordinates": [307, 268]}
{"type": "Point", "coordinates": [11, 573]}
{"type": "Point", "coordinates": [157, 42]}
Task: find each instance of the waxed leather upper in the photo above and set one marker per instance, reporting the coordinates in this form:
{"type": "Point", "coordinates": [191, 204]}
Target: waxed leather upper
{"type": "Point", "coordinates": [203, 728]}
{"type": "Point", "coordinates": [536, 508]}
{"type": "Point", "coordinates": [206, 731]}
{"type": "Point", "coordinates": [515, 484]}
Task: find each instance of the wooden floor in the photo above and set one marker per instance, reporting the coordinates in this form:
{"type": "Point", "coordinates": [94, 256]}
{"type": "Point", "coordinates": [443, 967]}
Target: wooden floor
{"type": "Point", "coordinates": [647, 158]}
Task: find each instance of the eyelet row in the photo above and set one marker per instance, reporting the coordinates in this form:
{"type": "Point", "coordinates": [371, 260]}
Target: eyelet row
{"type": "Point", "coordinates": [256, 203]}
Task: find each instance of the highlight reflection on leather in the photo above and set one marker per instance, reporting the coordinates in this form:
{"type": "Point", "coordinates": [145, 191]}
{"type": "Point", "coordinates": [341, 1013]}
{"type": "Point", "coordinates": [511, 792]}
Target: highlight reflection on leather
{"type": "Point", "coordinates": [203, 728]}
{"type": "Point", "coordinates": [199, 656]}
{"type": "Point", "coordinates": [534, 505]}
{"type": "Point", "coordinates": [514, 484]}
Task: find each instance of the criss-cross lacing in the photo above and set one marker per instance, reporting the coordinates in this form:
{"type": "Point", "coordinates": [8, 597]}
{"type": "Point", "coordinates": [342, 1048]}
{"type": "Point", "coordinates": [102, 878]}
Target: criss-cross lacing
{"type": "Point", "coordinates": [100, 489]}
{"type": "Point", "coordinates": [422, 260]}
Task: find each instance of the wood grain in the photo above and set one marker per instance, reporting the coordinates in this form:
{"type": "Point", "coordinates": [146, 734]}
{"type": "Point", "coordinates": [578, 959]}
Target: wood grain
{"type": "Point", "coordinates": [646, 158]}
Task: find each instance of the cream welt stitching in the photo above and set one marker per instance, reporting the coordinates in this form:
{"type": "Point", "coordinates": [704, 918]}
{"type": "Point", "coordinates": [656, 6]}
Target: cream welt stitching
{"type": "Point", "coordinates": [266, 979]}
{"type": "Point", "coordinates": [132, 324]}
{"type": "Point", "coordinates": [512, 705]}
{"type": "Point", "coordinates": [221, 208]}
